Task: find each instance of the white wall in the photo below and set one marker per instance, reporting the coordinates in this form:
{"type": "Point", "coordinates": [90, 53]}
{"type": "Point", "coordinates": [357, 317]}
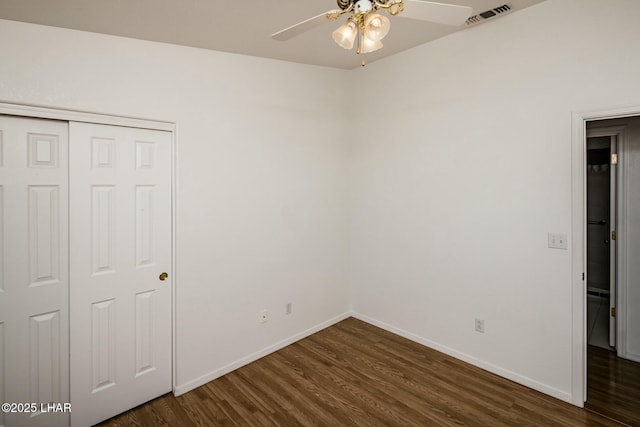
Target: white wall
{"type": "Point", "coordinates": [454, 190]}
{"type": "Point", "coordinates": [262, 206]}
{"type": "Point", "coordinates": [632, 240]}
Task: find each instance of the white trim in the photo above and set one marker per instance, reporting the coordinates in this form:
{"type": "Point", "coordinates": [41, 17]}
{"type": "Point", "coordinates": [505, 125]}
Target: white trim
{"type": "Point", "coordinates": [174, 263]}
{"type": "Point", "coordinates": [633, 357]}
{"type": "Point", "coordinates": [184, 388]}
{"type": "Point", "coordinates": [520, 379]}
{"type": "Point", "coordinates": [616, 131]}
{"type": "Point", "coordinates": [578, 245]}
{"type": "Point", "coordinates": [80, 116]}
{"type": "Point", "coordinates": [578, 270]}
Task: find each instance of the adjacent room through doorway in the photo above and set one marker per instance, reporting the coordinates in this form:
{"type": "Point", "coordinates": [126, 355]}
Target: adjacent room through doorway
{"type": "Point", "coordinates": [613, 381]}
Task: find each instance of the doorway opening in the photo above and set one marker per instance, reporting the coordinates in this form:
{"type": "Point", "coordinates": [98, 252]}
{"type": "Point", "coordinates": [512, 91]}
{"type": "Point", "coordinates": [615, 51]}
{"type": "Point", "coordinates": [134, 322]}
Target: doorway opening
{"type": "Point", "coordinates": [601, 224]}
{"type": "Point", "coordinates": [612, 294]}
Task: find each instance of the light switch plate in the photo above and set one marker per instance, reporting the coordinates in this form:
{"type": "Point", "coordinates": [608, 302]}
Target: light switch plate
{"type": "Point", "coordinates": [558, 240]}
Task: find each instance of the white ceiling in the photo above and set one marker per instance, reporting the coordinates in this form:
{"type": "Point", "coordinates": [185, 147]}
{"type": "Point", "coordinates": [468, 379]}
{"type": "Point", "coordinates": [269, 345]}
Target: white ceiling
{"type": "Point", "coordinates": [239, 26]}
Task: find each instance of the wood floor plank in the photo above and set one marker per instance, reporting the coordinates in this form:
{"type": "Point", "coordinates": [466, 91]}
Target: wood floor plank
{"type": "Point", "coordinates": [377, 368]}
{"type": "Point", "coordinates": [613, 386]}
{"type": "Point", "coordinates": [355, 374]}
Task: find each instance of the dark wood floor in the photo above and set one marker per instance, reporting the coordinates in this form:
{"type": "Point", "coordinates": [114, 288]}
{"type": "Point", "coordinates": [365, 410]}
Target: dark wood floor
{"type": "Point", "coordinates": [613, 386]}
{"type": "Point", "coordinates": [354, 374]}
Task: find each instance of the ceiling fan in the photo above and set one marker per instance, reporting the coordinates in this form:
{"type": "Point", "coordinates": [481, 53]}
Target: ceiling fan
{"type": "Point", "coordinates": [366, 27]}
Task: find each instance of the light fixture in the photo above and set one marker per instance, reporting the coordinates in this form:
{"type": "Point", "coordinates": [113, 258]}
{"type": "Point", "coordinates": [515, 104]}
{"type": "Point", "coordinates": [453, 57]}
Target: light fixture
{"type": "Point", "coordinates": [345, 35]}
{"type": "Point", "coordinates": [368, 45]}
{"type": "Point", "coordinates": [364, 22]}
{"type": "Point", "coordinates": [376, 26]}
{"type": "Point", "coordinates": [367, 25]}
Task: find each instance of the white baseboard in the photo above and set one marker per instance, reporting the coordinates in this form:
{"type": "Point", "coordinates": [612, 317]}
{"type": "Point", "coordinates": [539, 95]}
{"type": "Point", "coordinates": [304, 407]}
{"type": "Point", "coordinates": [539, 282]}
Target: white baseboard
{"type": "Point", "coordinates": [633, 357]}
{"type": "Point", "coordinates": [520, 379]}
{"type": "Point", "coordinates": [528, 382]}
{"type": "Point", "coordinates": [183, 388]}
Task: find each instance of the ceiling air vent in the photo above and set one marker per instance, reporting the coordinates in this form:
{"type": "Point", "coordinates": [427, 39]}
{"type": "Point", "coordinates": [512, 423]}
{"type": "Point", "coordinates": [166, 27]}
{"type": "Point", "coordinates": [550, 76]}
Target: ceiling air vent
{"type": "Point", "coordinates": [488, 14]}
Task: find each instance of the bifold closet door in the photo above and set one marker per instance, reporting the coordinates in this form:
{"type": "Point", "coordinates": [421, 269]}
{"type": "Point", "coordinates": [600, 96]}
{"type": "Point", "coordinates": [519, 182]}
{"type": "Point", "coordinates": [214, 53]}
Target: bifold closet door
{"type": "Point", "coordinates": [120, 300]}
{"type": "Point", "coordinates": [34, 271]}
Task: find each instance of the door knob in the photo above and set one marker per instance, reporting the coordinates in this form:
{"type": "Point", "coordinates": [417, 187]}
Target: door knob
{"type": "Point", "coordinates": [163, 276]}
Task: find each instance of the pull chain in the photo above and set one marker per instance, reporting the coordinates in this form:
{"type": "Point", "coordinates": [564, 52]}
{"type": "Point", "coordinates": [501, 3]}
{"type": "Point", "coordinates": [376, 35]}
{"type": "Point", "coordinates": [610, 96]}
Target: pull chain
{"type": "Point", "coordinates": [360, 42]}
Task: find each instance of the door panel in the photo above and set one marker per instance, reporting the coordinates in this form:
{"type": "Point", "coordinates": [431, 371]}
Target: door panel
{"type": "Point", "coordinates": [34, 276]}
{"type": "Point", "coordinates": [121, 233]}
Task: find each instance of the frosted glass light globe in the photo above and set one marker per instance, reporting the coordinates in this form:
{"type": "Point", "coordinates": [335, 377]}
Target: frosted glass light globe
{"type": "Point", "coordinates": [376, 27]}
{"type": "Point", "coordinates": [369, 45]}
{"type": "Point", "coordinates": [345, 35]}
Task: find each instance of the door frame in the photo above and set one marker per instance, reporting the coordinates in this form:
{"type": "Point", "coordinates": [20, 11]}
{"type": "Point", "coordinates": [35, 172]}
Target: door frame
{"type": "Point", "coordinates": [578, 242]}
{"type": "Point", "coordinates": [68, 115]}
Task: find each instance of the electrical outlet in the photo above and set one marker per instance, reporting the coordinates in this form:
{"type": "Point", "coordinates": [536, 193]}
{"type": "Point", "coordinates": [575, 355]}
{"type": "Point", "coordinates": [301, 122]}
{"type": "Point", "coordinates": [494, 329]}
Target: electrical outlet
{"type": "Point", "coordinates": [480, 325]}
{"type": "Point", "coordinates": [263, 315]}
{"type": "Point", "coordinates": [288, 308]}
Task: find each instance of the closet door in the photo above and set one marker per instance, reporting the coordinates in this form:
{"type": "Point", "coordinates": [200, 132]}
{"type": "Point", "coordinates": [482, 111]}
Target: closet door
{"type": "Point", "coordinates": [120, 247]}
{"type": "Point", "coordinates": [34, 276]}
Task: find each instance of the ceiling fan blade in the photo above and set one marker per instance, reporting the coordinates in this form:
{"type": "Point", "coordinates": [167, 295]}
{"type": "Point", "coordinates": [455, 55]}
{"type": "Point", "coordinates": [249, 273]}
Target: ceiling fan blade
{"type": "Point", "coordinates": [300, 27]}
{"type": "Point", "coordinates": [449, 14]}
